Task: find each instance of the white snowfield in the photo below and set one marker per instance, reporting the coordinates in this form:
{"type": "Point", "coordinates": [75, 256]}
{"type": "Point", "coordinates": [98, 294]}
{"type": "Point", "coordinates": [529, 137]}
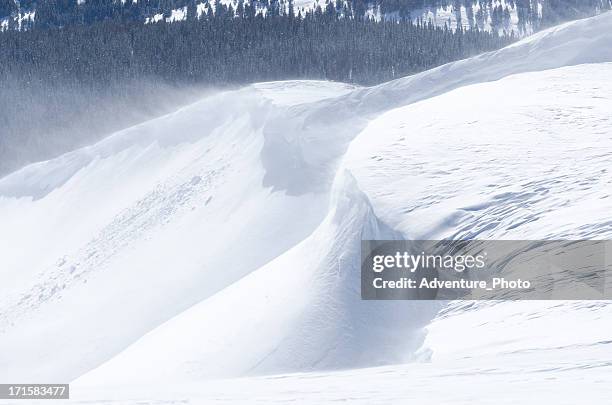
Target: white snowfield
{"type": "Point", "coordinates": [212, 255]}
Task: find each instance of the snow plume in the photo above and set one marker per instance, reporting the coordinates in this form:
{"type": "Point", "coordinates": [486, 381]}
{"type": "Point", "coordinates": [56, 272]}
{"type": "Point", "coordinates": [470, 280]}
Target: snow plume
{"type": "Point", "coordinates": [42, 119]}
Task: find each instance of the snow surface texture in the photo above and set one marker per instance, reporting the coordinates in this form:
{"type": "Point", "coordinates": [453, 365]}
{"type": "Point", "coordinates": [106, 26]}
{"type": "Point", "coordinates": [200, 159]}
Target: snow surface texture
{"type": "Point", "coordinates": [222, 241]}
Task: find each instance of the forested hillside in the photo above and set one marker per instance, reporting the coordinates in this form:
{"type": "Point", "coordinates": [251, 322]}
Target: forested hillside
{"type": "Point", "coordinates": [221, 50]}
{"type": "Point", "coordinates": [62, 76]}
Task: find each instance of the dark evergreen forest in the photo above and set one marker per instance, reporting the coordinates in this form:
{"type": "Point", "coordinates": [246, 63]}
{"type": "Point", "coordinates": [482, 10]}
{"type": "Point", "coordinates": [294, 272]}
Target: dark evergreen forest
{"type": "Point", "coordinates": [238, 50]}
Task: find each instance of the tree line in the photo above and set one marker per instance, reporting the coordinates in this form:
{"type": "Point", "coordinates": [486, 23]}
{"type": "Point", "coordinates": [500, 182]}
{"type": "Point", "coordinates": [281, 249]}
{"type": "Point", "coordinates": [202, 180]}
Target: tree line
{"type": "Point", "coordinates": [54, 80]}
{"type": "Point", "coordinates": [224, 49]}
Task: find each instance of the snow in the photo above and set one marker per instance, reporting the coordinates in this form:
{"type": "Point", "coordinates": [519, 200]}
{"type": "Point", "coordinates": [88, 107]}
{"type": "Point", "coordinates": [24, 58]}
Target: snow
{"type": "Point", "coordinates": [431, 384]}
{"type": "Point", "coordinates": [212, 255]}
{"type": "Point", "coordinates": [200, 9]}
{"type": "Point", "coordinates": [290, 93]}
{"type": "Point", "coordinates": [178, 14]}
{"type": "Point", "coordinates": [156, 18]}
{"type": "Point", "coordinates": [449, 16]}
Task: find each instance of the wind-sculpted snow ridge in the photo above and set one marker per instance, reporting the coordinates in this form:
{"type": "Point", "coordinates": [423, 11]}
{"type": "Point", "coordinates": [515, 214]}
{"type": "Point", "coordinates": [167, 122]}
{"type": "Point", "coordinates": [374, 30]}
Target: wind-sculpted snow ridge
{"type": "Point", "coordinates": [533, 168]}
{"type": "Point", "coordinates": [302, 311]}
{"type": "Point", "coordinates": [105, 243]}
{"type": "Point", "coordinates": [223, 240]}
{"type": "Point", "coordinates": [300, 138]}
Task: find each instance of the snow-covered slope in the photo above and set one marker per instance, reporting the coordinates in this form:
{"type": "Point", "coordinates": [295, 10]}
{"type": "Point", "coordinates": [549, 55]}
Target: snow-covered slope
{"type": "Point", "coordinates": [532, 165]}
{"type": "Point", "coordinates": [223, 240]}
{"type": "Point", "coordinates": [527, 169]}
